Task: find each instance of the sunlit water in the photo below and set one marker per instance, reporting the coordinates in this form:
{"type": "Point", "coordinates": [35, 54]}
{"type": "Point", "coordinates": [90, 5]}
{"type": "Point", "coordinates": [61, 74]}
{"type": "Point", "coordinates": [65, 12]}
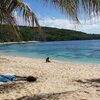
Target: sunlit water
{"type": "Point", "coordinates": [87, 51]}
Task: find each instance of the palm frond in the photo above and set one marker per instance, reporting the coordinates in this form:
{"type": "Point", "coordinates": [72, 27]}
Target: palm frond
{"type": "Point", "coordinates": [10, 20]}
{"type": "Point", "coordinates": [30, 17]}
{"type": "Point", "coordinates": [75, 7]}
{"type": "Point", "coordinates": [91, 6]}
{"type": "Point", "coordinates": [10, 6]}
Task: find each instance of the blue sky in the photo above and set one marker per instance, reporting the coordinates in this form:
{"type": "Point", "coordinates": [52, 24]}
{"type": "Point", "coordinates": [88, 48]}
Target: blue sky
{"type": "Point", "coordinates": [51, 16]}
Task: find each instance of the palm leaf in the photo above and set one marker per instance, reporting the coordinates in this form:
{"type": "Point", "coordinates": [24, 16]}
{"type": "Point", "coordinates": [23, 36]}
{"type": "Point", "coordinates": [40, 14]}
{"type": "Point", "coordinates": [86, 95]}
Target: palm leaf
{"type": "Point", "coordinates": [30, 17]}
{"type": "Point", "coordinates": [10, 20]}
{"type": "Point", "coordinates": [10, 6]}
{"type": "Point", "coordinates": [73, 8]}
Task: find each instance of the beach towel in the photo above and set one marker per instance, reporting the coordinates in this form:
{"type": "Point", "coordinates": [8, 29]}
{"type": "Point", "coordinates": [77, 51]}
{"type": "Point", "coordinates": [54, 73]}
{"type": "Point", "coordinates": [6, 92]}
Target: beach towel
{"type": "Point", "coordinates": [7, 78]}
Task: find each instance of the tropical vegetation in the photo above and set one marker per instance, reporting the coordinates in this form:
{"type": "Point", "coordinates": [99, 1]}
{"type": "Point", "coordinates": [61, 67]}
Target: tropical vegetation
{"type": "Point", "coordinates": [51, 34]}
{"type": "Point", "coordinates": [71, 8]}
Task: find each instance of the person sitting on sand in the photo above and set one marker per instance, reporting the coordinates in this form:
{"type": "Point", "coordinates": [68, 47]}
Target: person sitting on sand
{"type": "Point", "coordinates": [47, 60]}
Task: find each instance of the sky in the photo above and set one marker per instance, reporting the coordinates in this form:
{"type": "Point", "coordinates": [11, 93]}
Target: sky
{"type": "Point", "coordinates": [51, 16]}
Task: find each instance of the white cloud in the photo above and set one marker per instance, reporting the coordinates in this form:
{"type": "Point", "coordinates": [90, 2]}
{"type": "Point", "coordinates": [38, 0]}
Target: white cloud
{"type": "Point", "coordinates": [90, 26]}
{"type": "Point", "coordinates": [92, 20]}
{"type": "Point", "coordinates": [54, 22]}
{"type": "Point", "coordinates": [93, 28]}
{"type": "Point", "coordinates": [20, 20]}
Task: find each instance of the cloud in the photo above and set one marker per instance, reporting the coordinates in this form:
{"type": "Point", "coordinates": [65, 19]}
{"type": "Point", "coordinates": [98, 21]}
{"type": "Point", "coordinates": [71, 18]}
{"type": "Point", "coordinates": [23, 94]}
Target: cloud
{"type": "Point", "coordinates": [54, 22]}
{"type": "Point", "coordinates": [93, 28]}
{"type": "Point", "coordinates": [19, 19]}
{"type": "Point", "coordinates": [89, 26]}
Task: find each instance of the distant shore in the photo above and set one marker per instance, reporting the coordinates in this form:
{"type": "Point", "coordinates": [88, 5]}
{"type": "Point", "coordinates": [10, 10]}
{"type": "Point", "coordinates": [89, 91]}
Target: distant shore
{"type": "Point", "coordinates": [21, 42]}
{"type": "Point", "coordinates": [55, 81]}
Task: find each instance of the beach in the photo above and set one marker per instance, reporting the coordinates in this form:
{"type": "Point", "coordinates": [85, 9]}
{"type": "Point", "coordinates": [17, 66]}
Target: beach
{"type": "Point", "coordinates": [57, 80]}
{"type": "Point", "coordinates": [20, 42]}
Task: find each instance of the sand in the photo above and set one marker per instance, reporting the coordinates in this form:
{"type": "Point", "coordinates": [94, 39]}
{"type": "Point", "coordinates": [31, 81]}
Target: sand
{"type": "Point", "coordinates": [20, 42]}
{"type": "Point", "coordinates": [55, 81]}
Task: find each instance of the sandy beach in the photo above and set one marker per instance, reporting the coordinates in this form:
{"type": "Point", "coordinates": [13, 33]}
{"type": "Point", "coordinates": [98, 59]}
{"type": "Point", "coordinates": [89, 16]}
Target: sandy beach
{"type": "Point", "coordinates": [55, 81]}
{"type": "Point", "coordinates": [20, 42]}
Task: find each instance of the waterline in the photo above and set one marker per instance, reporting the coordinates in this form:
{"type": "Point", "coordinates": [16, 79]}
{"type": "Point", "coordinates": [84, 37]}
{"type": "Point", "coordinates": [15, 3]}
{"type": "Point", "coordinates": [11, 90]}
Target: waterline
{"type": "Point", "coordinates": [87, 51]}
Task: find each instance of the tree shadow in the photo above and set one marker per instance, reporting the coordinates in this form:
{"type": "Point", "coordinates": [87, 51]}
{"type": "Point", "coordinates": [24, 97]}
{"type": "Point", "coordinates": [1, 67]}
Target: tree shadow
{"type": "Point", "coordinates": [7, 87]}
{"type": "Point", "coordinates": [92, 82]}
{"type": "Point", "coordinates": [53, 96]}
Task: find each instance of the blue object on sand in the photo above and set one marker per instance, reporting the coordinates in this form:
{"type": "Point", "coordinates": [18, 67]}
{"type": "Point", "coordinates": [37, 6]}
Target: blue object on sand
{"type": "Point", "coordinates": [7, 78]}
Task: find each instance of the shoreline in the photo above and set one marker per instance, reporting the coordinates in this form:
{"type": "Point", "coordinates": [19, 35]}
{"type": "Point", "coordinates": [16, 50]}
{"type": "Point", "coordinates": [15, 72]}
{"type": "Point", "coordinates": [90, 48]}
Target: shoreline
{"type": "Point", "coordinates": [58, 79]}
{"type": "Point", "coordinates": [21, 42]}
{"type": "Point", "coordinates": [82, 59]}
{"type": "Point", "coordinates": [59, 60]}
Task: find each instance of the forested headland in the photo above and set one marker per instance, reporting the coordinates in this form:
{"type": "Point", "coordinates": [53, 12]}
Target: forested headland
{"type": "Point", "coordinates": [51, 34]}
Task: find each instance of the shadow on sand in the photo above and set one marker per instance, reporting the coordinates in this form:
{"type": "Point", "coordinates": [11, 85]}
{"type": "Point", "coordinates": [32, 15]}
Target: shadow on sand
{"type": "Point", "coordinates": [53, 96]}
{"type": "Point", "coordinates": [7, 87]}
{"type": "Point", "coordinates": [91, 82]}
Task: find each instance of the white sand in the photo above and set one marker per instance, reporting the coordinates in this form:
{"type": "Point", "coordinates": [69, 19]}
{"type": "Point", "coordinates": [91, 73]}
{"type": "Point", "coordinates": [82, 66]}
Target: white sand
{"type": "Point", "coordinates": [55, 81]}
{"type": "Point", "coordinates": [20, 42]}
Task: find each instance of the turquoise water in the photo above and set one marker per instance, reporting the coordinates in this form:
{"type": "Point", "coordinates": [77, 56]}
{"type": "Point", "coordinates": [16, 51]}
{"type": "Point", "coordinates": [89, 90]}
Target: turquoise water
{"type": "Point", "coordinates": [87, 51]}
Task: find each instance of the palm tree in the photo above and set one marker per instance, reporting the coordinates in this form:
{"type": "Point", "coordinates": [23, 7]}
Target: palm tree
{"type": "Point", "coordinates": [7, 7]}
{"type": "Point", "coordinates": [71, 8]}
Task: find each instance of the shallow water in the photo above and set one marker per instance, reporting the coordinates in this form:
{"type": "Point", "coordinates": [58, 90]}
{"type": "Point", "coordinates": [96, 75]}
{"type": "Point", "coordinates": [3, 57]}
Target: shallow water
{"type": "Point", "coordinates": [87, 51]}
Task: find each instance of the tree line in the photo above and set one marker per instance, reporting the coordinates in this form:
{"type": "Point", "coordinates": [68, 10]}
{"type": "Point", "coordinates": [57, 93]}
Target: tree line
{"type": "Point", "coordinates": [51, 34]}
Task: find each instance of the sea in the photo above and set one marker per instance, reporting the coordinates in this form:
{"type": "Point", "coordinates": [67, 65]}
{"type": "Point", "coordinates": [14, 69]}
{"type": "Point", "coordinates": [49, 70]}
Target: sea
{"type": "Point", "coordinates": [85, 51]}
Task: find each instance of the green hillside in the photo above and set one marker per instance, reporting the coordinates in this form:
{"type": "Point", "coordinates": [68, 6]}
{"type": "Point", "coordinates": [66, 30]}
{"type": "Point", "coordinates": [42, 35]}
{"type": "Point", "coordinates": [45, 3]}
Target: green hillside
{"type": "Point", "coordinates": [51, 34]}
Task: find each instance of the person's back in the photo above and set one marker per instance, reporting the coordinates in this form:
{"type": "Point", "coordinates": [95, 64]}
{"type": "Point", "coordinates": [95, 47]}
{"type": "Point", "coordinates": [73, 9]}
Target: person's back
{"type": "Point", "coordinates": [47, 59]}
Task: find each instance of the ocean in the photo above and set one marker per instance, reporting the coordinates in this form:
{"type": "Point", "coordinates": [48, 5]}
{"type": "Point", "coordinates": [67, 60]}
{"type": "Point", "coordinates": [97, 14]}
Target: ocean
{"type": "Point", "coordinates": [86, 51]}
